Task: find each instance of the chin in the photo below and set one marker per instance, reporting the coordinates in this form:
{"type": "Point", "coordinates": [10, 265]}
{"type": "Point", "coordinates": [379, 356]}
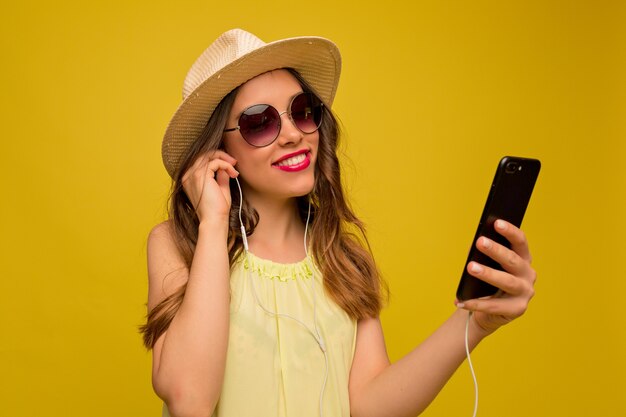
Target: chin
{"type": "Point", "coordinates": [299, 187]}
{"type": "Point", "coordinates": [301, 190]}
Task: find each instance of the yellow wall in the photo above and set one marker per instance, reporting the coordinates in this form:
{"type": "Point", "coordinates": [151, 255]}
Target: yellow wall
{"type": "Point", "coordinates": [432, 95]}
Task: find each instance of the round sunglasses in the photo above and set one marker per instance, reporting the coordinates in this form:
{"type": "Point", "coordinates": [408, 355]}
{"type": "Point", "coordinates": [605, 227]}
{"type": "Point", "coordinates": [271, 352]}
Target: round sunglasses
{"type": "Point", "coordinates": [260, 124]}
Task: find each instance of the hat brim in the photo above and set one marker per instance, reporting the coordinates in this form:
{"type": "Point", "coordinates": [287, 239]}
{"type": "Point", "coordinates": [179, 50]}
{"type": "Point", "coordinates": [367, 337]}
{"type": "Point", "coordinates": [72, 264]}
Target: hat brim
{"type": "Point", "coordinates": [316, 59]}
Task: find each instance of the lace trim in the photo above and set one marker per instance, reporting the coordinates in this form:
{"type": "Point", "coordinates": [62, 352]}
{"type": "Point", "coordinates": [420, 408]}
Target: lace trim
{"type": "Point", "coordinates": [267, 269]}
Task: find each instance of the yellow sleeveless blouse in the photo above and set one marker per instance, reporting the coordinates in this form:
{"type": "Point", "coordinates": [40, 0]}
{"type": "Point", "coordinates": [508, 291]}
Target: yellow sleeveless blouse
{"type": "Point", "coordinates": [274, 366]}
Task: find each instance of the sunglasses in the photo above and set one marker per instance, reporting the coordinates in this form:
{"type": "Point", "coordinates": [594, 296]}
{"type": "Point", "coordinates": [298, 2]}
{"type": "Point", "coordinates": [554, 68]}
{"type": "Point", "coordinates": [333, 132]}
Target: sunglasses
{"type": "Point", "coordinates": [260, 124]}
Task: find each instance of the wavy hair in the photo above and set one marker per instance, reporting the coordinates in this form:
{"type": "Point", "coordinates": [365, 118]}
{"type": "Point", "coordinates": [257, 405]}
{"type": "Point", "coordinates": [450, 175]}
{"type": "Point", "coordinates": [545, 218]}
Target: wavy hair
{"type": "Point", "coordinates": [338, 239]}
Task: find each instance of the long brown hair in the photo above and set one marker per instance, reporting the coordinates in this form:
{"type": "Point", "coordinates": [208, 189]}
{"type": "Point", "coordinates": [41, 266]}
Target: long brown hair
{"type": "Point", "coordinates": [338, 240]}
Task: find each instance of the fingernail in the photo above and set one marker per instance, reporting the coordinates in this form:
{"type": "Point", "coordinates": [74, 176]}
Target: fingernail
{"type": "Point", "coordinates": [460, 305]}
{"type": "Point", "coordinates": [486, 243]}
{"type": "Point", "coordinates": [500, 224]}
{"type": "Point", "coordinates": [475, 268]}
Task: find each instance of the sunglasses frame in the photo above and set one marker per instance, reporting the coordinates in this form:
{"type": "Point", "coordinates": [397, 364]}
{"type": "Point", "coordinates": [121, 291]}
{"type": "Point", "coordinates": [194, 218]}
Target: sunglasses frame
{"type": "Point", "coordinates": [280, 124]}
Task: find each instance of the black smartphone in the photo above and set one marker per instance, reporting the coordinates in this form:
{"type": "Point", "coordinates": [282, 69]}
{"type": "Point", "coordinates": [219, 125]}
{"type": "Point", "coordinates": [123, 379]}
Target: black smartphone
{"type": "Point", "coordinates": [508, 199]}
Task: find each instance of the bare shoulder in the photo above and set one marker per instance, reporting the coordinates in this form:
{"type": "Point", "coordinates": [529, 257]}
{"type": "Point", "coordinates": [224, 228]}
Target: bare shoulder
{"type": "Point", "coordinates": [166, 267]}
{"type": "Point", "coordinates": [162, 233]}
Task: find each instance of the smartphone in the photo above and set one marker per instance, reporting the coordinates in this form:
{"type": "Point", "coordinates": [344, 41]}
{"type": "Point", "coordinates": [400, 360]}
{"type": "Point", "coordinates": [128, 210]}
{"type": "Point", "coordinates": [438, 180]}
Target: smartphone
{"type": "Point", "coordinates": [508, 199]}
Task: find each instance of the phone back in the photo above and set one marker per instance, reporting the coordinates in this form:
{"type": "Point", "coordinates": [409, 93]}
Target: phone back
{"type": "Point", "coordinates": [508, 199]}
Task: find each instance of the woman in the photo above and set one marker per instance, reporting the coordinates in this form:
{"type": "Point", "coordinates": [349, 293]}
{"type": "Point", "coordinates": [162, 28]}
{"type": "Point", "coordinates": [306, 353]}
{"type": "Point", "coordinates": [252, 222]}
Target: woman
{"type": "Point", "coordinates": [264, 298]}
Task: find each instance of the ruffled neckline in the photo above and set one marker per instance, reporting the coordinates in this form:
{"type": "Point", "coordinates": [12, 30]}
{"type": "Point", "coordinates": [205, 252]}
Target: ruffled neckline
{"type": "Point", "coordinates": [283, 272]}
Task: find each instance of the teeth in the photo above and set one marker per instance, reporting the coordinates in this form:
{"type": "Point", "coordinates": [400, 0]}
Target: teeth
{"type": "Point", "coordinates": [294, 160]}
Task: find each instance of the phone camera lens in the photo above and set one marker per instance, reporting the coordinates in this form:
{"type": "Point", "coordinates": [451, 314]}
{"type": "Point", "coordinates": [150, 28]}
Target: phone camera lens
{"type": "Point", "coordinates": [511, 167]}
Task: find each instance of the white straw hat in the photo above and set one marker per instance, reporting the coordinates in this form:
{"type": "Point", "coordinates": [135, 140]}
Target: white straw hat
{"type": "Point", "coordinates": [234, 58]}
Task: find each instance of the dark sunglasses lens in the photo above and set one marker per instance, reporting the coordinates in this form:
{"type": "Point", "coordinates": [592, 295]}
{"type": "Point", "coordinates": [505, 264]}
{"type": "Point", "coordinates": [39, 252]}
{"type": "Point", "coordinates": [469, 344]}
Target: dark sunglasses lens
{"type": "Point", "coordinates": [259, 125]}
{"type": "Point", "coordinates": [306, 112]}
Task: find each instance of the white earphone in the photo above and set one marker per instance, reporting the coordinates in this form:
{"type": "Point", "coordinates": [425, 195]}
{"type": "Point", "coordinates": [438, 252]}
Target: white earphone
{"type": "Point", "coordinates": [314, 332]}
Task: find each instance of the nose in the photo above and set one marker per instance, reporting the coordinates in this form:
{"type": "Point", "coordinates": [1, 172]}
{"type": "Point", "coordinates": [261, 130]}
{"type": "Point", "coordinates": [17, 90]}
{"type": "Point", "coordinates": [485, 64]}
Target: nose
{"type": "Point", "coordinates": [289, 133]}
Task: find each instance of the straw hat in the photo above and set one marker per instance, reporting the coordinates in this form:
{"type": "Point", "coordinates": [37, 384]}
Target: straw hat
{"type": "Point", "coordinates": [234, 58]}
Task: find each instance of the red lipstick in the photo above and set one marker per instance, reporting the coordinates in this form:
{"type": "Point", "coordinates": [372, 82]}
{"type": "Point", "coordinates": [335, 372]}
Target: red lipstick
{"type": "Point", "coordinates": [293, 162]}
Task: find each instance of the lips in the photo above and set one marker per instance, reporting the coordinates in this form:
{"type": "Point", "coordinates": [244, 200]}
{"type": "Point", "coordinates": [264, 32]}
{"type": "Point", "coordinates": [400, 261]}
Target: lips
{"type": "Point", "coordinates": [294, 162]}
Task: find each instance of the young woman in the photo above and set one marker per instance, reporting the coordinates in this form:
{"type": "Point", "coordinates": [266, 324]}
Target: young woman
{"type": "Point", "coordinates": [264, 298]}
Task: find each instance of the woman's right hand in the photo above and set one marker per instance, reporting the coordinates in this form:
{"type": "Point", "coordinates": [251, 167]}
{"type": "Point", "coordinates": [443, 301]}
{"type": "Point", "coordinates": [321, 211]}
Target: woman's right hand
{"type": "Point", "coordinates": [206, 184]}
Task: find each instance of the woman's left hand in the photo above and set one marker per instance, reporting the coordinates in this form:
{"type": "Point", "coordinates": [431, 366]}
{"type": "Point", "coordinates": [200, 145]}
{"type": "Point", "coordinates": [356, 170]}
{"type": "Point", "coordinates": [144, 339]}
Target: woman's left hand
{"type": "Point", "coordinates": [516, 282]}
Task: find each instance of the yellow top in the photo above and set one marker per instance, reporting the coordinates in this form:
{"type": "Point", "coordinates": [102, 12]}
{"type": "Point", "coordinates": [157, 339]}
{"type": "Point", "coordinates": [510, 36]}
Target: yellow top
{"type": "Point", "coordinates": [275, 365]}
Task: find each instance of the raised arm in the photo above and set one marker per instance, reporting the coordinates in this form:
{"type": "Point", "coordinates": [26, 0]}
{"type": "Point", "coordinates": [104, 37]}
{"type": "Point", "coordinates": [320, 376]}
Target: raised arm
{"type": "Point", "coordinates": [405, 388]}
{"type": "Point", "coordinates": [189, 358]}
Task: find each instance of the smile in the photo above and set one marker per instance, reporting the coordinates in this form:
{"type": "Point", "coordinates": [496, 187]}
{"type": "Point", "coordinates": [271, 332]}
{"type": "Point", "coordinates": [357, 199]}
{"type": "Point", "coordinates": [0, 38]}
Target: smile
{"type": "Point", "coordinates": [294, 163]}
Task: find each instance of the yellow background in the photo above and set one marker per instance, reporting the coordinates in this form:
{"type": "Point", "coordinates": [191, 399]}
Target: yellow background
{"type": "Point", "coordinates": [432, 95]}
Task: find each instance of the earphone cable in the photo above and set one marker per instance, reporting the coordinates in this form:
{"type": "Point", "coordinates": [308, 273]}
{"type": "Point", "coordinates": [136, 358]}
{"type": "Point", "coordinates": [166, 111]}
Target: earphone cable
{"type": "Point", "coordinates": [319, 339]}
{"type": "Point", "coordinates": [315, 332]}
{"type": "Point", "coordinates": [469, 362]}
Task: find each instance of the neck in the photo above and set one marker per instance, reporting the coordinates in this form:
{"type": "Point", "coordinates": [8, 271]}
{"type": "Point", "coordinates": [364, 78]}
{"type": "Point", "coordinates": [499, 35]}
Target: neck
{"type": "Point", "coordinates": [279, 234]}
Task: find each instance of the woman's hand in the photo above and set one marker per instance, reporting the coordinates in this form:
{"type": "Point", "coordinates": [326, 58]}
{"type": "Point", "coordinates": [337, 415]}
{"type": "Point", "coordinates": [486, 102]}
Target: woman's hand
{"type": "Point", "coordinates": [206, 184]}
{"type": "Point", "coordinates": [516, 282]}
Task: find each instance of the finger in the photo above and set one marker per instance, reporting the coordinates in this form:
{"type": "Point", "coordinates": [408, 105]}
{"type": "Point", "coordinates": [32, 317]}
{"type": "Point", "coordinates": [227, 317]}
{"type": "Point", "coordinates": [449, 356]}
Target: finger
{"type": "Point", "coordinates": [505, 281]}
{"type": "Point", "coordinates": [223, 181]}
{"type": "Point", "coordinates": [216, 165]}
{"type": "Point", "coordinates": [507, 258]}
{"type": "Point", "coordinates": [516, 237]}
{"type": "Point", "coordinates": [195, 181]}
{"type": "Point", "coordinates": [508, 308]}
{"type": "Point", "coordinates": [201, 163]}
{"type": "Point", "coordinates": [219, 154]}
{"type": "Point", "coordinates": [223, 178]}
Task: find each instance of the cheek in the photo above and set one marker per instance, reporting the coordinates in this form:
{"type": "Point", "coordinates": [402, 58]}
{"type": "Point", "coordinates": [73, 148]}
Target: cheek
{"type": "Point", "coordinates": [314, 144]}
{"type": "Point", "coordinates": [236, 150]}
{"type": "Point", "coordinates": [228, 147]}
{"type": "Point", "coordinates": [246, 161]}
